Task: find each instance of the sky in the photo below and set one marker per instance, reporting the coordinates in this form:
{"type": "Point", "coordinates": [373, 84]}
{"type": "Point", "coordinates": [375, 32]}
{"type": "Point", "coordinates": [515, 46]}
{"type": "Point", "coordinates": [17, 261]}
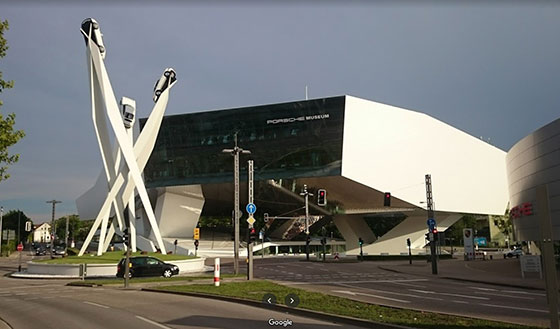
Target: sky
{"type": "Point", "coordinates": [490, 69]}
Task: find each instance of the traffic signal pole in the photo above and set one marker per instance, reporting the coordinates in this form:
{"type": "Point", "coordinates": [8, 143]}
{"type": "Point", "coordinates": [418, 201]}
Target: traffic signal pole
{"type": "Point", "coordinates": [306, 194]}
{"type": "Point", "coordinates": [251, 229]}
{"type": "Point", "coordinates": [430, 208]}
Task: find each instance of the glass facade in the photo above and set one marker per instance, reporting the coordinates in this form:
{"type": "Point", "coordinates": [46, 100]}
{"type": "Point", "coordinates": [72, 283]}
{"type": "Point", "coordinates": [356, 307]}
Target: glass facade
{"type": "Point", "coordinates": [288, 140]}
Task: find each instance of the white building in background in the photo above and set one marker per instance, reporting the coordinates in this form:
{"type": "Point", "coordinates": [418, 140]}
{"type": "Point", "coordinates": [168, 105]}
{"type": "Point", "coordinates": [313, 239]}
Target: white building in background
{"type": "Point", "coordinates": [354, 148]}
{"type": "Point", "coordinates": [42, 233]}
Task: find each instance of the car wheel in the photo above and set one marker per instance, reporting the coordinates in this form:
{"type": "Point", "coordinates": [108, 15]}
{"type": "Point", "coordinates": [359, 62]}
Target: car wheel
{"type": "Point", "coordinates": [167, 273]}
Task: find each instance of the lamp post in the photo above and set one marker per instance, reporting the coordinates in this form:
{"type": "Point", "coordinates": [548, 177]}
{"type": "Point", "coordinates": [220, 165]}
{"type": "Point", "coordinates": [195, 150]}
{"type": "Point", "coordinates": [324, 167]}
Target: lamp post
{"type": "Point", "coordinates": [54, 202]}
{"type": "Point", "coordinates": [235, 153]}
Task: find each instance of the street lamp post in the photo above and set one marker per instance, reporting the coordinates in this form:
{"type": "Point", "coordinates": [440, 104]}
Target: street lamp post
{"type": "Point", "coordinates": [235, 153]}
{"type": "Point", "coordinates": [54, 202]}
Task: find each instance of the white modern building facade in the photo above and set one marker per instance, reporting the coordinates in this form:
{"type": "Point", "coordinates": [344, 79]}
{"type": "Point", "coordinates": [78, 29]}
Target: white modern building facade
{"type": "Point", "coordinates": [354, 148]}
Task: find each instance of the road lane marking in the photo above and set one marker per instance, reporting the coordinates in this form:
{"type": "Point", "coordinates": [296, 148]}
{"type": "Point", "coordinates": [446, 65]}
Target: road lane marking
{"type": "Point", "coordinates": [459, 302]}
{"type": "Point", "coordinates": [485, 289]}
{"type": "Point", "coordinates": [515, 308]}
{"type": "Point", "coordinates": [360, 281]}
{"type": "Point", "coordinates": [448, 294]}
{"type": "Point", "coordinates": [523, 293]}
{"type": "Point", "coordinates": [408, 284]}
{"type": "Point", "coordinates": [502, 295]}
{"type": "Point", "coordinates": [370, 295]}
{"type": "Point", "coordinates": [95, 304]}
{"type": "Point", "coordinates": [389, 292]}
{"type": "Point", "coordinates": [152, 322]}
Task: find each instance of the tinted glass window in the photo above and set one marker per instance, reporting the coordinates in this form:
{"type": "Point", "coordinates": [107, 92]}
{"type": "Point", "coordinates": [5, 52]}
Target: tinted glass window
{"type": "Point", "coordinates": [297, 139]}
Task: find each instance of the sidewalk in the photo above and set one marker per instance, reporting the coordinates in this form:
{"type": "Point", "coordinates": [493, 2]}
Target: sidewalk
{"type": "Point", "coordinates": [505, 272]}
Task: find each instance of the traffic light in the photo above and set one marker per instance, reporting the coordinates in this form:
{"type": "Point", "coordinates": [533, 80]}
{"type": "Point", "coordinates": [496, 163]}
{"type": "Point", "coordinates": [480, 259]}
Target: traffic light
{"type": "Point", "coordinates": [323, 241]}
{"type": "Point", "coordinates": [308, 240]}
{"type": "Point", "coordinates": [196, 233]}
{"type": "Point", "coordinates": [408, 242]}
{"type": "Point", "coordinates": [387, 199]}
{"type": "Point", "coordinates": [196, 244]}
{"type": "Point", "coordinates": [126, 236]}
{"type": "Point", "coordinates": [253, 235]}
{"type": "Point", "coordinates": [360, 241]}
{"type": "Point", "coordinates": [322, 197]}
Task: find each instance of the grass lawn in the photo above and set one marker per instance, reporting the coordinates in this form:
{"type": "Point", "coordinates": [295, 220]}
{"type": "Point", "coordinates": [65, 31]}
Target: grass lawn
{"type": "Point", "coordinates": [109, 258]}
{"type": "Point", "coordinates": [210, 278]}
{"type": "Point", "coordinates": [255, 290]}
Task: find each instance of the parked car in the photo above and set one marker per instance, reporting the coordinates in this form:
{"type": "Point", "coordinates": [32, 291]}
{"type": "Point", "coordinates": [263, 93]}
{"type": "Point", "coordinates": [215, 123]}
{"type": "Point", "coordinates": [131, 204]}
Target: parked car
{"type": "Point", "coordinates": [513, 253]}
{"type": "Point", "coordinates": [147, 266]}
{"type": "Point", "coordinates": [40, 251]}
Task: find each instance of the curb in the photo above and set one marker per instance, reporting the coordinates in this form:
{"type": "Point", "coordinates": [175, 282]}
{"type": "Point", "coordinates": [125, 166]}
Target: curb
{"type": "Point", "coordinates": [509, 285]}
{"type": "Point", "coordinates": [285, 309]}
{"type": "Point", "coordinates": [4, 324]}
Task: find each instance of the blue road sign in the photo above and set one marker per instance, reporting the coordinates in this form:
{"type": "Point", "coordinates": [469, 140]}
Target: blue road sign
{"type": "Point", "coordinates": [251, 208]}
{"type": "Point", "coordinates": [431, 223]}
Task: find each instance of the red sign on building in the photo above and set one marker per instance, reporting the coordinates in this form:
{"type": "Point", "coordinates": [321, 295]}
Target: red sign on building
{"type": "Point", "coordinates": [524, 209]}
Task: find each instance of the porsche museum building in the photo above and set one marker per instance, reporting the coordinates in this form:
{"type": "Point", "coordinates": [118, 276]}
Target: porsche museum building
{"type": "Point", "coordinates": [354, 148]}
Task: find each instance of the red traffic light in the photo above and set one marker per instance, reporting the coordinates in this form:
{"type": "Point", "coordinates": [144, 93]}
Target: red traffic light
{"type": "Point", "coordinates": [434, 231]}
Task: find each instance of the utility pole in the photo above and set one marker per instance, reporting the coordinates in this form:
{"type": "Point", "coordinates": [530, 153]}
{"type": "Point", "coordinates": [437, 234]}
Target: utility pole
{"type": "Point", "coordinates": [66, 237]}
{"type": "Point", "coordinates": [18, 231]}
{"type": "Point", "coordinates": [1, 215]}
{"type": "Point", "coordinates": [54, 202]}
{"type": "Point", "coordinates": [306, 194]}
{"type": "Point", "coordinates": [235, 153]}
{"type": "Point", "coordinates": [430, 208]}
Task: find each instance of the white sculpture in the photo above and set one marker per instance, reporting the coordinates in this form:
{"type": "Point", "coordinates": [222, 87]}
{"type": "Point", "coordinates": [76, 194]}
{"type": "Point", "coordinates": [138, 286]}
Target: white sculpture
{"type": "Point", "coordinates": [124, 164]}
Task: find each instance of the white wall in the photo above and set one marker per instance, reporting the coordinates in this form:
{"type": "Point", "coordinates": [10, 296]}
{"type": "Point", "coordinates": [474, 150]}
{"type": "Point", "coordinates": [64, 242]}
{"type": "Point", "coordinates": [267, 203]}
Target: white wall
{"type": "Point", "coordinates": [178, 209]}
{"type": "Point", "coordinates": [391, 149]}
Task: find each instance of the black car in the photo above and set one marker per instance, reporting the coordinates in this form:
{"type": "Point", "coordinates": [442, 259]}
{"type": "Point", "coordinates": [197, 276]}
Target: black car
{"type": "Point", "coordinates": [147, 266]}
{"type": "Point", "coordinates": [40, 251]}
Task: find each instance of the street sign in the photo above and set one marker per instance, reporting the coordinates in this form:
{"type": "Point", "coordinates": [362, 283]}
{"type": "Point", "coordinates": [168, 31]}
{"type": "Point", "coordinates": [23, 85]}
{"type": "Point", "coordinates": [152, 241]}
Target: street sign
{"type": "Point", "coordinates": [251, 220]}
{"type": "Point", "coordinates": [431, 223]}
{"type": "Point", "coordinates": [251, 208]}
{"type": "Point", "coordinates": [20, 247]}
{"type": "Point", "coordinates": [261, 235]}
{"type": "Point", "coordinates": [28, 225]}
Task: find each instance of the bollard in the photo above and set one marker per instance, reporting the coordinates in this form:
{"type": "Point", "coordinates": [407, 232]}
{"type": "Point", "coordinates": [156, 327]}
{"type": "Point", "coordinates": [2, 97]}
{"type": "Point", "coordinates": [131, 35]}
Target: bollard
{"type": "Point", "coordinates": [216, 272]}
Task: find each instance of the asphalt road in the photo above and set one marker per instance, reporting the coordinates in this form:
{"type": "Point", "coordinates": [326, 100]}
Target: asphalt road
{"type": "Point", "coordinates": [46, 304]}
{"type": "Point", "coordinates": [367, 282]}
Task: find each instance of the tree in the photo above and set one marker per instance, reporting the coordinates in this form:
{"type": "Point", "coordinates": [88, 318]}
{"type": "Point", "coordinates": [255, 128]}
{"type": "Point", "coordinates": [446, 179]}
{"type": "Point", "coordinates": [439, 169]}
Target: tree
{"type": "Point", "coordinates": [8, 136]}
{"type": "Point", "coordinates": [74, 225]}
{"type": "Point", "coordinates": [10, 222]}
